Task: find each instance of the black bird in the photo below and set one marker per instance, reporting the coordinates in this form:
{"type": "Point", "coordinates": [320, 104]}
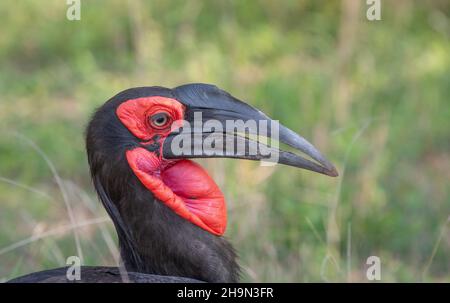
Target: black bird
{"type": "Point", "coordinates": [168, 213]}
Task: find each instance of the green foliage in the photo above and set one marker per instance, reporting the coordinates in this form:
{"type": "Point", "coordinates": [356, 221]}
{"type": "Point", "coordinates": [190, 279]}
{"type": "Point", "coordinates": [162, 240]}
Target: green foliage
{"type": "Point", "coordinates": [373, 96]}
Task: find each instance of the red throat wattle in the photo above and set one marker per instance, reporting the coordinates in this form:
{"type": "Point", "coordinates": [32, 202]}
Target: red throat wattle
{"type": "Point", "coordinates": [182, 185]}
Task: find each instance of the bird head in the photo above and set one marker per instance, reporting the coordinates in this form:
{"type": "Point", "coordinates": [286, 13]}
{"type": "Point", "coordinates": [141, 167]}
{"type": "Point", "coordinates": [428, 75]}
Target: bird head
{"type": "Point", "coordinates": [149, 134]}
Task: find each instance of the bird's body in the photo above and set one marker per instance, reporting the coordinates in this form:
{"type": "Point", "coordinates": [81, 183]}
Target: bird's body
{"type": "Point", "coordinates": [169, 214]}
{"type": "Point", "coordinates": [98, 274]}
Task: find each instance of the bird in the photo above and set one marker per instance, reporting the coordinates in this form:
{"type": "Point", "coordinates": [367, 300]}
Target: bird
{"type": "Point", "coordinates": [169, 214]}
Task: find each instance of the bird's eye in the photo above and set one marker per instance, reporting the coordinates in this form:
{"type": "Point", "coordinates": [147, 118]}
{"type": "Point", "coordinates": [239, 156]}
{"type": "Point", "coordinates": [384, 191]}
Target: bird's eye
{"type": "Point", "coordinates": [160, 120]}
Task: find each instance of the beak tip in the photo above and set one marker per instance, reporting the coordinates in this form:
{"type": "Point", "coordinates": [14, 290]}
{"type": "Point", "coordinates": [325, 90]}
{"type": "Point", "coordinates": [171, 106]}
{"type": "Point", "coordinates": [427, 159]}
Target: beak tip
{"type": "Point", "coordinates": [332, 172]}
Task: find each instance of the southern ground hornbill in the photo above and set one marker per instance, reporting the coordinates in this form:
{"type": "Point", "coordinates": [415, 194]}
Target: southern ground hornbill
{"type": "Point", "coordinates": [168, 213]}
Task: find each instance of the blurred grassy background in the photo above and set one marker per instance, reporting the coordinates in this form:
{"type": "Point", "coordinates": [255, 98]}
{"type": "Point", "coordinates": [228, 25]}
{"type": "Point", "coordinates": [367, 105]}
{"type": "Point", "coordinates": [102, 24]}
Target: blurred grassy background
{"type": "Point", "coordinates": [373, 96]}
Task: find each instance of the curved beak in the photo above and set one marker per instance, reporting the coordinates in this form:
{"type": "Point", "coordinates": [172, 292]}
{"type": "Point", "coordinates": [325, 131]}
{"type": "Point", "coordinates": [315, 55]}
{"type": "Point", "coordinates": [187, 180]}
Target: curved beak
{"type": "Point", "coordinates": [218, 125]}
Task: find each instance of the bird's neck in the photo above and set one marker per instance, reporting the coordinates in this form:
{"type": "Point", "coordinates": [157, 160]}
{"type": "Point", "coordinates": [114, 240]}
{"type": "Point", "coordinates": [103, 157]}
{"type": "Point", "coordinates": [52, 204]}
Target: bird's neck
{"type": "Point", "coordinates": [164, 243]}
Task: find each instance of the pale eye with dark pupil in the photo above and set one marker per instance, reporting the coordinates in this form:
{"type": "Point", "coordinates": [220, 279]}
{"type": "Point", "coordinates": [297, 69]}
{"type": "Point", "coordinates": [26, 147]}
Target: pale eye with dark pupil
{"type": "Point", "coordinates": [159, 119]}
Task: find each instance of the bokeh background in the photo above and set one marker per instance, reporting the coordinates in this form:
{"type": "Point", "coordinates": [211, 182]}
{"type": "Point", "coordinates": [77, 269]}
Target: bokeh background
{"type": "Point", "coordinates": [373, 96]}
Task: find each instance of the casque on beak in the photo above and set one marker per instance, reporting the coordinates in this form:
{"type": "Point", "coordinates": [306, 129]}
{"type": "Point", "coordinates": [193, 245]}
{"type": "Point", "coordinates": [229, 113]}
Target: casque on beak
{"type": "Point", "coordinates": [208, 103]}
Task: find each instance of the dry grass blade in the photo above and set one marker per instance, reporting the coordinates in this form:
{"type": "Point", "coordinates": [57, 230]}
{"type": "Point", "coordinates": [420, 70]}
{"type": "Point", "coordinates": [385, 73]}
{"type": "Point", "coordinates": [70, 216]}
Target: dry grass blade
{"type": "Point", "coordinates": [52, 232]}
{"type": "Point", "coordinates": [26, 187]}
{"type": "Point", "coordinates": [435, 248]}
{"type": "Point", "coordinates": [61, 187]}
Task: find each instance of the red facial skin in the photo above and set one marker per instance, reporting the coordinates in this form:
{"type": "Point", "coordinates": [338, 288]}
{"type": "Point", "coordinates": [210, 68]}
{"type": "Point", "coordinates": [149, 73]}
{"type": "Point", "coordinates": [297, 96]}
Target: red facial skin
{"type": "Point", "coordinates": [182, 185]}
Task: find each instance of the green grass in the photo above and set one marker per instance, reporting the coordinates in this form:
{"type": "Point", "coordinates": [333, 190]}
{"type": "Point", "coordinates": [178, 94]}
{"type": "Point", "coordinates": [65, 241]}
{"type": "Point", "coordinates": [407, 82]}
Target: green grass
{"type": "Point", "coordinates": [373, 96]}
